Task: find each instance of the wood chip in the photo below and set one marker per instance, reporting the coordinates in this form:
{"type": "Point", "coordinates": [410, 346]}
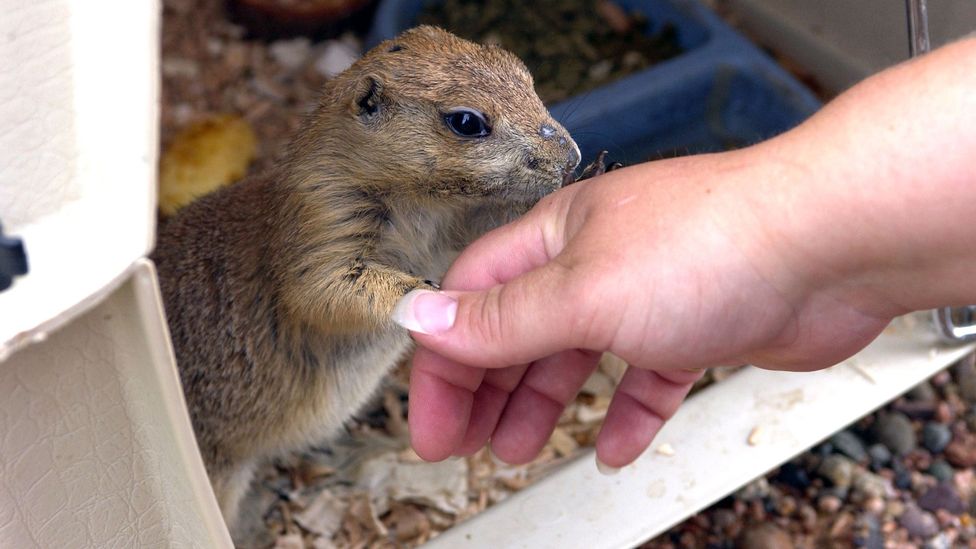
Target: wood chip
{"type": "Point", "coordinates": [757, 435]}
{"type": "Point", "coordinates": [364, 512]}
{"type": "Point", "coordinates": [407, 522]}
{"type": "Point", "coordinates": [323, 543]}
{"type": "Point", "coordinates": [613, 366]}
{"type": "Point", "coordinates": [615, 16]}
{"type": "Point", "coordinates": [308, 472]}
{"type": "Point", "coordinates": [514, 484]}
{"type": "Point", "coordinates": [665, 449]}
{"type": "Point", "coordinates": [442, 485]}
{"type": "Point", "coordinates": [323, 515]}
{"type": "Point", "coordinates": [396, 423]}
{"type": "Point", "coordinates": [407, 455]}
{"type": "Point", "coordinates": [290, 541]}
{"type": "Point", "coordinates": [563, 442]}
{"type": "Point", "coordinates": [599, 384]}
{"type": "Point", "coordinates": [590, 414]}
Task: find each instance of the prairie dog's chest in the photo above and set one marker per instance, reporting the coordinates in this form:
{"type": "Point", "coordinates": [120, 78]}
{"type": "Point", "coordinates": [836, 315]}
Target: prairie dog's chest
{"type": "Point", "coordinates": [422, 242]}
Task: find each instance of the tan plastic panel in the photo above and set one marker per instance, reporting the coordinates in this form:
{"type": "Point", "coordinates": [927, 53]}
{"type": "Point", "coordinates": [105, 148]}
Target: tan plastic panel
{"type": "Point", "coordinates": [96, 447]}
{"type": "Point", "coordinates": [842, 41]}
{"type": "Point", "coordinates": [78, 145]}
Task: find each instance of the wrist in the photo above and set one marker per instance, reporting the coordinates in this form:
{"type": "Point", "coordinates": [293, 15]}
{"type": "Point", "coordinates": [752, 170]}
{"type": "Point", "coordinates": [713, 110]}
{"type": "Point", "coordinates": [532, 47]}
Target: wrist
{"type": "Point", "coordinates": [870, 199]}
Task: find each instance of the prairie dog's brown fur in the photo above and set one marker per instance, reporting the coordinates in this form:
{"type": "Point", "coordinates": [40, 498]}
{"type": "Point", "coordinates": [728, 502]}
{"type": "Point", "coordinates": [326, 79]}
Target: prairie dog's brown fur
{"type": "Point", "coordinates": [279, 289]}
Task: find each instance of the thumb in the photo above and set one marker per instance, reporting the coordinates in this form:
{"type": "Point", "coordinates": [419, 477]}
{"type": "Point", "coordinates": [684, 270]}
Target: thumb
{"type": "Point", "coordinates": [532, 316]}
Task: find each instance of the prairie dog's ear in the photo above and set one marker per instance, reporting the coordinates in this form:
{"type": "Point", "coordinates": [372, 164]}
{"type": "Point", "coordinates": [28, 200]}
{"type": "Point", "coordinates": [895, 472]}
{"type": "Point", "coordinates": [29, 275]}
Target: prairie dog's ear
{"type": "Point", "coordinates": [368, 99]}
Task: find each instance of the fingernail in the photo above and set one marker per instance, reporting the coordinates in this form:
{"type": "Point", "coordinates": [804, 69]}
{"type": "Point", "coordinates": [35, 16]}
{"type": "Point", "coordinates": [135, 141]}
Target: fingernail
{"type": "Point", "coordinates": [605, 469]}
{"type": "Point", "coordinates": [425, 312]}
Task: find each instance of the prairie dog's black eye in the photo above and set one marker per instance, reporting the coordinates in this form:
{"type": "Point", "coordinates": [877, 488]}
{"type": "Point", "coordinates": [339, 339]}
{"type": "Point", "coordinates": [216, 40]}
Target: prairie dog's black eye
{"type": "Point", "coordinates": [467, 123]}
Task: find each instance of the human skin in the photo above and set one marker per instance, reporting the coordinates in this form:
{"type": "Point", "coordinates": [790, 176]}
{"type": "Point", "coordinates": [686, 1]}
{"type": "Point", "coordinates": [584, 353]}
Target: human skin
{"type": "Point", "coordinates": [792, 254]}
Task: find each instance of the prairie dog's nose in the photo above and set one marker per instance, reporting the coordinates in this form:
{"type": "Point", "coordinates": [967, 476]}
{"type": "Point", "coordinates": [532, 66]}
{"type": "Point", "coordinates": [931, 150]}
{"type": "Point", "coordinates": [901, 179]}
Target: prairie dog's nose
{"type": "Point", "coordinates": [574, 153]}
{"type": "Point", "coordinates": [548, 131]}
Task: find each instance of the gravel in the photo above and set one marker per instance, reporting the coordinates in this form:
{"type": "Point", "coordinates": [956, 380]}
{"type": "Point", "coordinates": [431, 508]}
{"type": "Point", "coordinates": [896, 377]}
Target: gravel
{"type": "Point", "coordinates": [903, 495]}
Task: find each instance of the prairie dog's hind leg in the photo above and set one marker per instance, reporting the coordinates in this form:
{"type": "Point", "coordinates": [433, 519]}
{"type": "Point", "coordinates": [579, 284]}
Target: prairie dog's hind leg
{"type": "Point", "coordinates": [230, 485]}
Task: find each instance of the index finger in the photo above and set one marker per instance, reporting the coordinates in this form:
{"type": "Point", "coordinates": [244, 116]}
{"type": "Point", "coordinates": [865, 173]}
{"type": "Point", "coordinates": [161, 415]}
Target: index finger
{"type": "Point", "coordinates": [513, 249]}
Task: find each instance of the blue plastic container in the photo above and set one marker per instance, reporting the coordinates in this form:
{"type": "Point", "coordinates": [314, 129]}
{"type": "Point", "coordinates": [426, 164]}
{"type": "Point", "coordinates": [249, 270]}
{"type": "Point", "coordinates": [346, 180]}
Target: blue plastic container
{"type": "Point", "coordinates": [721, 93]}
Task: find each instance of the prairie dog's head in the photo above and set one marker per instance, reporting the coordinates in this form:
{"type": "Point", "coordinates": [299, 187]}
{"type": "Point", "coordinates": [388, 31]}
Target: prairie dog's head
{"type": "Point", "coordinates": [430, 114]}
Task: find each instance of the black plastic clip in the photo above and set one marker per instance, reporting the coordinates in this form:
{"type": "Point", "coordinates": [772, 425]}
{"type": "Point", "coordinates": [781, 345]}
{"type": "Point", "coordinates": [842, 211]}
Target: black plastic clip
{"type": "Point", "coordinates": [13, 259]}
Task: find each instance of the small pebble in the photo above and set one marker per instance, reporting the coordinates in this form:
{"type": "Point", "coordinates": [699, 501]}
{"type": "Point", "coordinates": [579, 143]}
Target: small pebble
{"type": "Point", "coordinates": [894, 508]}
{"type": "Point", "coordinates": [942, 496]}
{"type": "Point", "coordinates": [793, 475]}
{"type": "Point", "coordinates": [837, 469]}
{"type": "Point", "coordinates": [965, 481]}
{"type": "Point", "coordinates": [936, 436]}
{"type": "Point", "coordinates": [946, 519]}
{"type": "Point", "coordinates": [723, 520]}
{"type": "Point", "coordinates": [880, 455]}
{"type": "Point", "coordinates": [837, 491]}
{"type": "Point", "coordinates": [919, 459]}
{"type": "Point", "coordinates": [965, 372]}
{"type": "Point", "coordinates": [829, 503]}
{"type": "Point", "coordinates": [923, 392]}
{"type": "Point", "coordinates": [824, 449]}
{"type": "Point", "coordinates": [939, 541]}
{"type": "Point", "coordinates": [944, 413]}
{"type": "Point", "coordinates": [765, 536]}
{"type": "Point", "coordinates": [851, 445]}
{"type": "Point", "coordinates": [903, 479]}
{"type": "Point", "coordinates": [757, 510]}
{"type": "Point", "coordinates": [866, 485]}
{"type": "Point", "coordinates": [918, 523]}
{"type": "Point", "coordinates": [755, 490]}
{"type": "Point", "coordinates": [870, 536]}
{"type": "Point", "coordinates": [874, 505]}
{"type": "Point", "coordinates": [941, 470]}
{"type": "Point", "coordinates": [785, 506]}
{"type": "Point", "coordinates": [921, 482]}
{"type": "Point", "coordinates": [808, 517]}
{"type": "Point", "coordinates": [895, 431]}
{"type": "Point", "coordinates": [961, 452]}
{"type": "Point", "coordinates": [941, 378]}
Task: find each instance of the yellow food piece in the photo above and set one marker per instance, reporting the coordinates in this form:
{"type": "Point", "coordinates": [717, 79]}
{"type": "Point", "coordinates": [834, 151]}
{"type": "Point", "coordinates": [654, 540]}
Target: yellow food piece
{"type": "Point", "coordinates": [205, 156]}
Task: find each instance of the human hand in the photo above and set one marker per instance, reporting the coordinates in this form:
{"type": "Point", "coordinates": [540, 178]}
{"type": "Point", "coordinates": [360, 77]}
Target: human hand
{"type": "Point", "coordinates": [670, 265]}
{"type": "Point", "coordinates": [791, 254]}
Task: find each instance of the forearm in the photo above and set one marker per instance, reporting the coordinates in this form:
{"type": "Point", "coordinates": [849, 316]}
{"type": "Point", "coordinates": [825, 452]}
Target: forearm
{"type": "Point", "coordinates": [874, 194]}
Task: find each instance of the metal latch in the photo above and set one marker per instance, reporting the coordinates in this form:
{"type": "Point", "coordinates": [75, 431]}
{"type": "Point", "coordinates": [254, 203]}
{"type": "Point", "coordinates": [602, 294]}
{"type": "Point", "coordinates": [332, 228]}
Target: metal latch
{"type": "Point", "coordinates": [956, 323]}
{"type": "Point", "coordinates": [952, 323]}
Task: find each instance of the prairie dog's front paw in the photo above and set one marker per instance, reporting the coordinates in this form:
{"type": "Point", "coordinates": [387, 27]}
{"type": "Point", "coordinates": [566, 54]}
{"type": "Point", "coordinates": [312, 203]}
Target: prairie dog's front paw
{"type": "Point", "coordinates": [425, 311]}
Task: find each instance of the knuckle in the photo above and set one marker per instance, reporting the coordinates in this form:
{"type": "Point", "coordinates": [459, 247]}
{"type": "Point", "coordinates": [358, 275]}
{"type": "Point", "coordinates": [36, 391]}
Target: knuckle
{"type": "Point", "coordinates": [486, 318]}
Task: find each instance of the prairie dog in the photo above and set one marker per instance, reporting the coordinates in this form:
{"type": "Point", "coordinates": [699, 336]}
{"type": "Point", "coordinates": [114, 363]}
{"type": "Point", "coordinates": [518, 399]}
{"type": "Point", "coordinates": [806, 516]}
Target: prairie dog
{"type": "Point", "coordinates": [279, 289]}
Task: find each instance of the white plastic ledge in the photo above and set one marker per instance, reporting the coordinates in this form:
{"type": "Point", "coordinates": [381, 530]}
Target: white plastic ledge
{"type": "Point", "coordinates": [783, 414]}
